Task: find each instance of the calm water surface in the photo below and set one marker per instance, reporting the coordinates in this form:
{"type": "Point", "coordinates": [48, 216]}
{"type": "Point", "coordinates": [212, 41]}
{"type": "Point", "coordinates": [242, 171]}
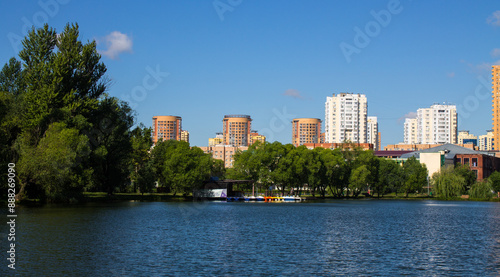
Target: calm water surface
{"type": "Point", "coordinates": [370, 238]}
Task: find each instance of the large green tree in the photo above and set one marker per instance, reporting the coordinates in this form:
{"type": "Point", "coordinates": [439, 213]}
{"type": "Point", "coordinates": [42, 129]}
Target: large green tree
{"type": "Point", "coordinates": [390, 177]}
{"type": "Point", "coordinates": [494, 181]}
{"type": "Point", "coordinates": [111, 145]}
{"type": "Point", "coordinates": [468, 175]}
{"type": "Point", "coordinates": [179, 167]}
{"type": "Point", "coordinates": [141, 143]}
{"type": "Point", "coordinates": [336, 171]}
{"type": "Point", "coordinates": [448, 183]}
{"type": "Point", "coordinates": [52, 168]}
{"type": "Point", "coordinates": [415, 176]}
{"type": "Point", "coordinates": [61, 80]}
{"type": "Point", "coordinates": [360, 177]}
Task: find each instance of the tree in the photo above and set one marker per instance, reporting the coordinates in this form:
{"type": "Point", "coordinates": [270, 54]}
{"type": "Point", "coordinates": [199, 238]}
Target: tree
{"type": "Point", "coordinates": [336, 170]}
{"type": "Point", "coordinates": [58, 79]}
{"type": "Point", "coordinates": [468, 175]}
{"type": "Point", "coordinates": [247, 164]}
{"type": "Point", "coordinates": [494, 181]}
{"type": "Point", "coordinates": [390, 177]}
{"type": "Point", "coordinates": [448, 183]}
{"type": "Point", "coordinates": [11, 78]}
{"type": "Point", "coordinates": [316, 171]}
{"type": "Point", "coordinates": [368, 159]}
{"type": "Point", "coordinates": [217, 169]}
{"type": "Point", "coordinates": [141, 143]}
{"type": "Point", "coordinates": [415, 176]}
{"type": "Point", "coordinates": [111, 146]}
{"type": "Point", "coordinates": [480, 190]}
{"type": "Point", "coordinates": [179, 167]}
{"type": "Point", "coordinates": [146, 179]}
{"type": "Point", "coordinates": [290, 171]}
{"type": "Point", "coordinates": [360, 177]}
{"type": "Point", "coordinates": [54, 166]}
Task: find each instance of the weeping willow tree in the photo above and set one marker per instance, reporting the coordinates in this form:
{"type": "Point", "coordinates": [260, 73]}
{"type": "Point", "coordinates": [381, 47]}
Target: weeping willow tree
{"type": "Point", "coordinates": [448, 183]}
{"type": "Point", "coordinates": [481, 190]}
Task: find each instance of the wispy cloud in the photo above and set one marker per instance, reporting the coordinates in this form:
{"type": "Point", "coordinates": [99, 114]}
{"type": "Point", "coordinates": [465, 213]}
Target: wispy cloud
{"type": "Point", "coordinates": [293, 93]}
{"type": "Point", "coordinates": [482, 68]}
{"type": "Point", "coordinates": [494, 19]}
{"type": "Point", "coordinates": [451, 74]}
{"type": "Point", "coordinates": [116, 43]}
{"type": "Point", "coordinates": [495, 52]}
{"type": "Point", "coordinates": [408, 115]}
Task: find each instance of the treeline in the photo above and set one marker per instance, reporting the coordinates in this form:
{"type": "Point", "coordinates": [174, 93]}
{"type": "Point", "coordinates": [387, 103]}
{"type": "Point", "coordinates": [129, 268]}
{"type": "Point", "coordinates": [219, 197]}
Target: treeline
{"type": "Point", "coordinates": [346, 172]}
{"type": "Point", "coordinates": [342, 172]}
{"type": "Point", "coordinates": [66, 136]}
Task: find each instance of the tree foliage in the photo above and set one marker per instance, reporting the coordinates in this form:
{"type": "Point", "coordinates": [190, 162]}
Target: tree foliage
{"type": "Point", "coordinates": [55, 102]}
{"type": "Point", "coordinates": [179, 167]}
{"type": "Point", "coordinates": [494, 181]}
{"type": "Point", "coordinates": [415, 175]}
{"type": "Point", "coordinates": [55, 164]}
{"type": "Point", "coordinates": [480, 190]}
{"type": "Point", "coordinates": [448, 183]}
{"type": "Point", "coordinates": [391, 177]}
{"type": "Point", "coordinates": [468, 175]}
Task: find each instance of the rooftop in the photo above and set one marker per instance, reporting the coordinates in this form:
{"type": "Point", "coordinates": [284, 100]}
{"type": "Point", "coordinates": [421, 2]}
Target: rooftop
{"type": "Point", "coordinates": [450, 151]}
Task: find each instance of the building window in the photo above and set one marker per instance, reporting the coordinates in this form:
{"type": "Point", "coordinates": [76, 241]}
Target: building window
{"type": "Point", "coordinates": [474, 162]}
{"type": "Point", "coordinates": [466, 160]}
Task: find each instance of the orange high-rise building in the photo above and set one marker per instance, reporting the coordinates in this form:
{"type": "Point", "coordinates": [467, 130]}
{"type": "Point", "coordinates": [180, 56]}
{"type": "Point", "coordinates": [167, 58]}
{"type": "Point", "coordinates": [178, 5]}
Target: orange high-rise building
{"type": "Point", "coordinates": [306, 130]}
{"type": "Point", "coordinates": [495, 81]}
{"type": "Point", "coordinates": [166, 127]}
{"type": "Point", "coordinates": [236, 130]}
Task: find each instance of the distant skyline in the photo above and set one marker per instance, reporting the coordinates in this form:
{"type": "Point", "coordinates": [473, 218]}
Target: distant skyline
{"type": "Point", "coordinates": [279, 60]}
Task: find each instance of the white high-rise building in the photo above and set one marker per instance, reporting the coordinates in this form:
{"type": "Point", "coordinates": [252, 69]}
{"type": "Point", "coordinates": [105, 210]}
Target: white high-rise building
{"type": "Point", "coordinates": [410, 131]}
{"type": "Point", "coordinates": [346, 118]}
{"type": "Point", "coordinates": [435, 125]}
{"type": "Point", "coordinates": [372, 133]}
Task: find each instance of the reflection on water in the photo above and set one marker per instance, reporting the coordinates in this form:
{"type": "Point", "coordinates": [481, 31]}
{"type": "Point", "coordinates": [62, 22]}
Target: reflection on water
{"type": "Point", "coordinates": [218, 238]}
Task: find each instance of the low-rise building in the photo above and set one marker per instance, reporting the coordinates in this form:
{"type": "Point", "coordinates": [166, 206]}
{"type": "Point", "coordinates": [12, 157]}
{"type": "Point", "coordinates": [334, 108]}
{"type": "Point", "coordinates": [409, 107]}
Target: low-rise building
{"type": "Point", "coordinates": [417, 147]}
{"type": "Point", "coordinates": [363, 146]}
{"type": "Point", "coordinates": [224, 153]}
{"type": "Point", "coordinates": [464, 137]}
{"type": "Point", "coordinates": [480, 162]}
{"type": "Point", "coordinates": [254, 137]}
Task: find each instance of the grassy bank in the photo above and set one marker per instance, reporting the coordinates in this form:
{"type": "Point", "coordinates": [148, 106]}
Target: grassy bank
{"type": "Point", "coordinates": [159, 197]}
{"type": "Point", "coordinates": [102, 196]}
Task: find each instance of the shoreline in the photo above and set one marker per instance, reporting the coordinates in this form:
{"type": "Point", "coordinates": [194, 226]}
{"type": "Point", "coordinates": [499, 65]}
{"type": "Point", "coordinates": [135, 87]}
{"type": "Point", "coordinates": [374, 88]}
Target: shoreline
{"type": "Point", "coordinates": [166, 197]}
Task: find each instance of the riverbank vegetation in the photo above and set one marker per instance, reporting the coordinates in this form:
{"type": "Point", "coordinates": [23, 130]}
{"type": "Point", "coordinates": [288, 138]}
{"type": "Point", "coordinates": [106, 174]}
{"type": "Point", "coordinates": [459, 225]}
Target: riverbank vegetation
{"type": "Point", "coordinates": [341, 173]}
{"type": "Point", "coordinates": [69, 139]}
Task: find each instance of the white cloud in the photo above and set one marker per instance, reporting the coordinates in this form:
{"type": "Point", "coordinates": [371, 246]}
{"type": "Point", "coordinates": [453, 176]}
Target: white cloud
{"type": "Point", "coordinates": [293, 93]}
{"type": "Point", "coordinates": [451, 74]}
{"type": "Point", "coordinates": [495, 52]}
{"type": "Point", "coordinates": [494, 19]}
{"type": "Point", "coordinates": [117, 43]}
{"type": "Point", "coordinates": [480, 69]}
{"type": "Point", "coordinates": [408, 115]}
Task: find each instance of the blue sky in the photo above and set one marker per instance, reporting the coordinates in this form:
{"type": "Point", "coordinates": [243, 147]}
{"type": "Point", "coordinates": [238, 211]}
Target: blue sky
{"type": "Point", "coordinates": [277, 60]}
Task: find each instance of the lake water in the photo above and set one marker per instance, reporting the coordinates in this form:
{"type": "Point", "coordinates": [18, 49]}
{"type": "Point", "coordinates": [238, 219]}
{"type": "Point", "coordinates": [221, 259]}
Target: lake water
{"type": "Point", "coordinates": [369, 237]}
